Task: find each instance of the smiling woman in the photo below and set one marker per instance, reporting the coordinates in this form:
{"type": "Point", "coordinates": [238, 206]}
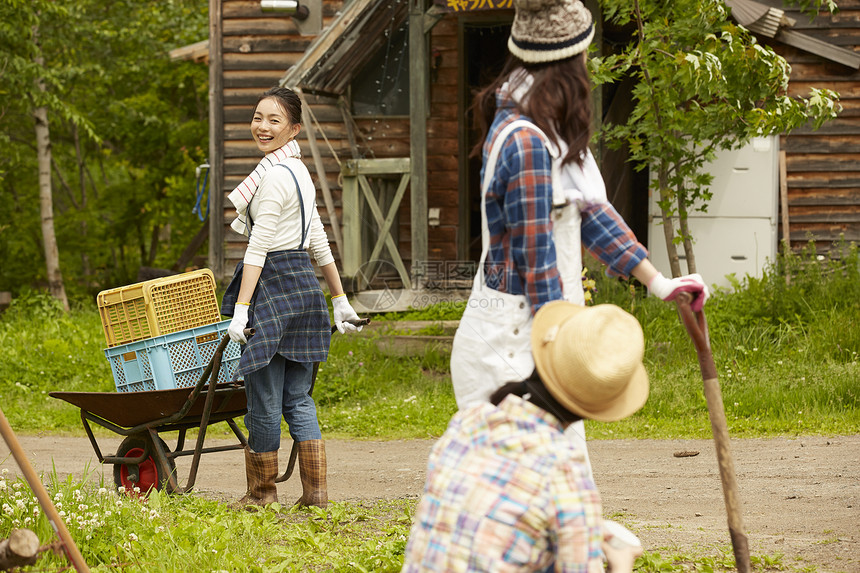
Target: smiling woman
{"type": "Point", "coordinates": [275, 290]}
{"type": "Point", "coordinates": [273, 126]}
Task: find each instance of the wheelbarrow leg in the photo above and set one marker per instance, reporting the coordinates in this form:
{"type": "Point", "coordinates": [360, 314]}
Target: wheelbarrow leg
{"type": "Point", "coordinates": [201, 433]}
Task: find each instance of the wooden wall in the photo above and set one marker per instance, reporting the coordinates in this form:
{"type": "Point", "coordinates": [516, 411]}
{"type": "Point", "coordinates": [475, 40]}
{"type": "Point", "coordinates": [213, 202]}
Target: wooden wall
{"type": "Point", "coordinates": [443, 176]}
{"type": "Point", "coordinates": [823, 166]}
{"type": "Point", "coordinates": [259, 47]}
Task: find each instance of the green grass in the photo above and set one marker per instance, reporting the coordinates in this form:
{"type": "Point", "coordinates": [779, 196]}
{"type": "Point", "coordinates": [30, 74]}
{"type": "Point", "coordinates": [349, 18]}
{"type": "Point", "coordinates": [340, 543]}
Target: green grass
{"type": "Point", "coordinates": [119, 532]}
{"type": "Point", "coordinates": [116, 531]}
{"type": "Point", "coordinates": [786, 356]}
{"type": "Point", "coordinates": [363, 393]}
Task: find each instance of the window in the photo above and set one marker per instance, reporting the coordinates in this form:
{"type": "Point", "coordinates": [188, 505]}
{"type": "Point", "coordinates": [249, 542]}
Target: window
{"type": "Point", "coordinates": [382, 87]}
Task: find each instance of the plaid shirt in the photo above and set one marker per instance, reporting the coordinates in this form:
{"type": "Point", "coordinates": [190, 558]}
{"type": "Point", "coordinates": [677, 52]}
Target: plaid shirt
{"type": "Point", "coordinates": [522, 258]}
{"type": "Point", "coordinates": [506, 490]}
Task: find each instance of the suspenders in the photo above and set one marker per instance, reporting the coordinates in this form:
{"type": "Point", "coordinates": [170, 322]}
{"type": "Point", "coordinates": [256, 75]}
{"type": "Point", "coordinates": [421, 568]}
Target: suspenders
{"type": "Point", "coordinates": [305, 228]}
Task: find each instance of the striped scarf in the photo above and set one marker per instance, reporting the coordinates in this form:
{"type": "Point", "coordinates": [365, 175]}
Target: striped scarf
{"type": "Point", "coordinates": [243, 193]}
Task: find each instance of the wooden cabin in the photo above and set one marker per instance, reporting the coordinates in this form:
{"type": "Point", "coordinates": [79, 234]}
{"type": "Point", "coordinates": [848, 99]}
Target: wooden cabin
{"type": "Point", "coordinates": [387, 134]}
{"type": "Point", "coordinates": [821, 199]}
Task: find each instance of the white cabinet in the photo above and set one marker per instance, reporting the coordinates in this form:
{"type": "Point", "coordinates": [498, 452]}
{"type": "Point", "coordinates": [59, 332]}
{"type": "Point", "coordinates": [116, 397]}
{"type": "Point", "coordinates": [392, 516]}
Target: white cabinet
{"type": "Point", "coordinates": [738, 233]}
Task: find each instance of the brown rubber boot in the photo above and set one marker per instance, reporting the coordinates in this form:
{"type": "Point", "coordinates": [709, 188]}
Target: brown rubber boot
{"type": "Point", "coordinates": [261, 469]}
{"type": "Point", "coordinates": [312, 469]}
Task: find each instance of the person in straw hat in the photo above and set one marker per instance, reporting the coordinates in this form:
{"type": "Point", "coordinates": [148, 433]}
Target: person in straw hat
{"type": "Point", "coordinates": [542, 201]}
{"type": "Point", "coordinates": [506, 490]}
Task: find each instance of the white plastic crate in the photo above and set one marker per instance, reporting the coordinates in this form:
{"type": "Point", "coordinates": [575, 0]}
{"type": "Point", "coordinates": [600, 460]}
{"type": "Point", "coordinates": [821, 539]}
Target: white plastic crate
{"type": "Point", "coordinates": [174, 360]}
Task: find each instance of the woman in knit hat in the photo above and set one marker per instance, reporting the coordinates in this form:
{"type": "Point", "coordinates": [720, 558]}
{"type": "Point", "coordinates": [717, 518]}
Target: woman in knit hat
{"type": "Point", "coordinates": [506, 490]}
{"type": "Point", "coordinates": [542, 200]}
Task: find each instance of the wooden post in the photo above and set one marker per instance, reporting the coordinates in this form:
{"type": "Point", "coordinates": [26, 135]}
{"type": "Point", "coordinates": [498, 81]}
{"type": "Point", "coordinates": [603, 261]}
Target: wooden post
{"type": "Point", "coordinates": [783, 199]}
{"type": "Point", "coordinates": [21, 549]}
{"type": "Point", "coordinates": [216, 143]}
{"type": "Point", "coordinates": [42, 496]}
{"type": "Point", "coordinates": [321, 174]}
{"type": "Point", "coordinates": [418, 96]}
{"type": "Point", "coordinates": [783, 203]}
{"type": "Point", "coordinates": [351, 255]}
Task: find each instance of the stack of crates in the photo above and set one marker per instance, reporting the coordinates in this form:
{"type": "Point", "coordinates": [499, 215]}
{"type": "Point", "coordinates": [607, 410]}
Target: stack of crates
{"type": "Point", "coordinates": [162, 333]}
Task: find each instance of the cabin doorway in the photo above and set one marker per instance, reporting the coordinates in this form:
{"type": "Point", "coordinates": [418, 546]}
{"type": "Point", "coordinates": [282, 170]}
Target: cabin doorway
{"type": "Point", "coordinates": [485, 47]}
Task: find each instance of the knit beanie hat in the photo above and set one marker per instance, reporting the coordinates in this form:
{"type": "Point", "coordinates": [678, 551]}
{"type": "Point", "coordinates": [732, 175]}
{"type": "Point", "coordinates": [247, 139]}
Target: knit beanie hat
{"type": "Point", "coordinates": [550, 30]}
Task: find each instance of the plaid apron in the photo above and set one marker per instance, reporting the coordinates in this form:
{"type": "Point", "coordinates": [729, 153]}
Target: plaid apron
{"type": "Point", "coordinates": [288, 312]}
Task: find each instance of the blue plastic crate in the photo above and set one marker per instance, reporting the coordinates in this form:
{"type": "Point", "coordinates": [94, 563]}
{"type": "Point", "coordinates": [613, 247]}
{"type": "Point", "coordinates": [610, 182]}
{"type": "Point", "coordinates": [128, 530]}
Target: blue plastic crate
{"type": "Point", "coordinates": [174, 360]}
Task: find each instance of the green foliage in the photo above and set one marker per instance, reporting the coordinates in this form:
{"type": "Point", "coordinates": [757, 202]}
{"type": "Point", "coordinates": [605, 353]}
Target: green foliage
{"type": "Point", "coordinates": [700, 84]}
{"type": "Point", "coordinates": [362, 392]}
{"type": "Point", "coordinates": [43, 349]}
{"type": "Point", "coordinates": [787, 359]}
{"type": "Point", "coordinates": [128, 127]}
{"type": "Point", "coordinates": [117, 531]}
{"type": "Point", "coordinates": [787, 355]}
{"type": "Point", "coordinates": [448, 310]}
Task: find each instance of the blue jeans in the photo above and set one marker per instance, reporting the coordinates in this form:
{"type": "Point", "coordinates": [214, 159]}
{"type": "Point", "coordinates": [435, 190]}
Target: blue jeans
{"type": "Point", "coordinates": [281, 388]}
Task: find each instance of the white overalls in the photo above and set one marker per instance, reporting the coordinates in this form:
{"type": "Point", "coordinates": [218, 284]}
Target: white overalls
{"type": "Point", "coordinates": [492, 345]}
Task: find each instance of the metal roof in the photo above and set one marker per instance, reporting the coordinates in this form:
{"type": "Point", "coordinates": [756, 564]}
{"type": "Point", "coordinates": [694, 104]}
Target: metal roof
{"type": "Point", "coordinates": [340, 52]}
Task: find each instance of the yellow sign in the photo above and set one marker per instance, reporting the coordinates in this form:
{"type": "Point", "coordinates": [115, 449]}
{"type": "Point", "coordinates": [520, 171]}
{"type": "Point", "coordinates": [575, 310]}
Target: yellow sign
{"type": "Point", "coordinates": [474, 5]}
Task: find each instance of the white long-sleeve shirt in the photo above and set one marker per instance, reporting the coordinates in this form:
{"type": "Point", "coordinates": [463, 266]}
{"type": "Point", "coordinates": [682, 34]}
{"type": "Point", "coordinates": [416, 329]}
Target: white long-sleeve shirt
{"type": "Point", "coordinates": [277, 219]}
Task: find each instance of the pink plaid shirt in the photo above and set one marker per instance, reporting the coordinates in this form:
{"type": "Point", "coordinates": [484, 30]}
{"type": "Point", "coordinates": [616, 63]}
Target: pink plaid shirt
{"type": "Point", "coordinates": [506, 491]}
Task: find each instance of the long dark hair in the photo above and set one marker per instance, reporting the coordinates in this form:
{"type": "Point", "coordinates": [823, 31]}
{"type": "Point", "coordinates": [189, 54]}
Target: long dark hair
{"type": "Point", "coordinates": [558, 102]}
{"type": "Point", "coordinates": [538, 395]}
{"type": "Point", "coordinates": [288, 100]}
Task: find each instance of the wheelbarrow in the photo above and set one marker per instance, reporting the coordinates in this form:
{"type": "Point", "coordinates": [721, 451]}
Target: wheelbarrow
{"type": "Point", "coordinates": [143, 459]}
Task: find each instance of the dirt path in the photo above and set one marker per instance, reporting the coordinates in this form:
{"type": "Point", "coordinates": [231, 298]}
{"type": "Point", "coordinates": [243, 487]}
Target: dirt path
{"type": "Point", "coordinates": [801, 497]}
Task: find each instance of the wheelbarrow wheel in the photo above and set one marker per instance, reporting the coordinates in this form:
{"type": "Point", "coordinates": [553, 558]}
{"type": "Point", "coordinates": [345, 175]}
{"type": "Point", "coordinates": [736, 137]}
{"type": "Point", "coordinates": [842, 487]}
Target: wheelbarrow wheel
{"type": "Point", "coordinates": [149, 473]}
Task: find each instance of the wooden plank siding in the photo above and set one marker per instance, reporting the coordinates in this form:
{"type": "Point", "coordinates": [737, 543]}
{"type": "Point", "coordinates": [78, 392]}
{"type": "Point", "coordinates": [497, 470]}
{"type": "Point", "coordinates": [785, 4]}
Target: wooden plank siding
{"type": "Point", "coordinates": [823, 167]}
{"type": "Point", "coordinates": [443, 177]}
{"type": "Point", "coordinates": [258, 48]}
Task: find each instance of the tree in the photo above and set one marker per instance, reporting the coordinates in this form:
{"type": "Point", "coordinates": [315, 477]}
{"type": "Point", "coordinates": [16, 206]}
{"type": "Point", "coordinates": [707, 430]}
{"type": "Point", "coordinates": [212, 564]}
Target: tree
{"type": "Point", "coordinates": [127, 128]}
{"type": "Point", "coordinates": [702, 83]}
{"type": "Point", "coordinates": [28, 62]}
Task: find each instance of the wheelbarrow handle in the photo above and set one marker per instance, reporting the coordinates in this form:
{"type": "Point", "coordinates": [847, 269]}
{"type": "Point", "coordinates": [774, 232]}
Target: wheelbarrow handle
{"type": "Point", "coordinates": [360, 322]}
{"type": "Point", "coordinates": [249, 332]}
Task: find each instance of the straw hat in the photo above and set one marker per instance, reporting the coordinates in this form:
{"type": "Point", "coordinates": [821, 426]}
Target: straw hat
{"type": "Point", "coordinates": [590, 359]}
{"type": "Point", "coordinates": [550, 30]}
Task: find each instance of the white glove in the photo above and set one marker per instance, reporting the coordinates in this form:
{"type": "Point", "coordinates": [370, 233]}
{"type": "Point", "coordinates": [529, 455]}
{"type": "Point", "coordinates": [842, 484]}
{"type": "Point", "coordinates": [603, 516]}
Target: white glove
{"type": "Point", "coordinates": [343, 312]}
{"type": "Point", "coordinates": [238, 324]}
{"type": "Point", "coordinates": [668, 289]}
